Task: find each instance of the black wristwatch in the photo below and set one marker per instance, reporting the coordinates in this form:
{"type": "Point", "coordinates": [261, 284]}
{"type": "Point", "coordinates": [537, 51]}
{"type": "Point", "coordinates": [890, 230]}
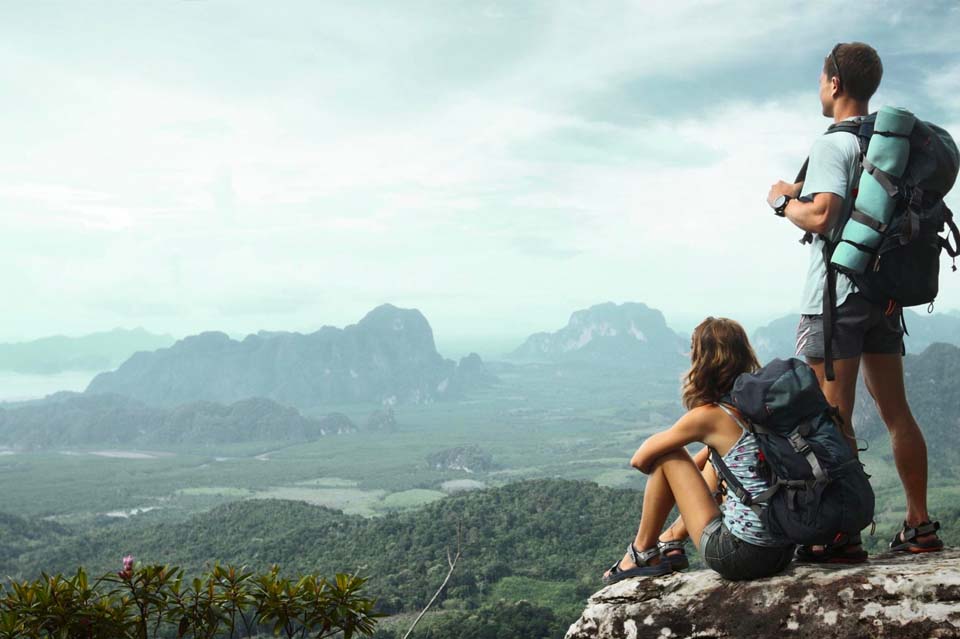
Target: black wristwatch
{"type": "Point", "coordinates": [780, 204]}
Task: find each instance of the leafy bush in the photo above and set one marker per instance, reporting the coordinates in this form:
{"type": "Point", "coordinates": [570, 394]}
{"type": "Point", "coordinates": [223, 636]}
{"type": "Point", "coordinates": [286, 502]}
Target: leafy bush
{"type": "Point", "coordinates": [155, 601]}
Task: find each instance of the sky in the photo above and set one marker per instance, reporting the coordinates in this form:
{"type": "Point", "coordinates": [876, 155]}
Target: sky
{"type": "Point", "coordinates": [237, 166]}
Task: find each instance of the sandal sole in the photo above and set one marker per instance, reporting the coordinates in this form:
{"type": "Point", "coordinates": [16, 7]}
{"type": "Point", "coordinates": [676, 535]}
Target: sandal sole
{"type": "Point", "coordinates": [916, 550]}
{"type": "Point", "coordinates": [678, 565]}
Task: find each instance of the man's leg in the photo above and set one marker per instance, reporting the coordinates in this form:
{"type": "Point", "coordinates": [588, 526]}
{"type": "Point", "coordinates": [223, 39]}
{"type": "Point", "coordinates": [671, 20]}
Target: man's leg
{"type": "Point", "coordinates": [883, 374]}
{"type": "Point", "coordinates": [842, 391]}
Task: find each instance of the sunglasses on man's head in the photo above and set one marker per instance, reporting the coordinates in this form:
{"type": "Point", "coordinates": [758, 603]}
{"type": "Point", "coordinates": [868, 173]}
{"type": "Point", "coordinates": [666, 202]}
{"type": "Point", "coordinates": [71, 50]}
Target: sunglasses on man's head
{"type": "Point", "coordinates": [836, 63]}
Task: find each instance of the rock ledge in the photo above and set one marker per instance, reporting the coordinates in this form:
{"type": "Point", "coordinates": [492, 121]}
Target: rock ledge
{"type": "Point", "coordinates": [891, 596]}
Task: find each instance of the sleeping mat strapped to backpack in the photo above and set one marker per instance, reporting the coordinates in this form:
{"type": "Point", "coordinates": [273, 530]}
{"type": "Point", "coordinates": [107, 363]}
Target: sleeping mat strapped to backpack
{"type": "Point", "coordinates": [890, 242]}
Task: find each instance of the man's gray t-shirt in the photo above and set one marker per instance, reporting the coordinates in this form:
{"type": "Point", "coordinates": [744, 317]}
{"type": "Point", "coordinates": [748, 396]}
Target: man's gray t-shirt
{"type": "Point", "coordinates": [834, 160]}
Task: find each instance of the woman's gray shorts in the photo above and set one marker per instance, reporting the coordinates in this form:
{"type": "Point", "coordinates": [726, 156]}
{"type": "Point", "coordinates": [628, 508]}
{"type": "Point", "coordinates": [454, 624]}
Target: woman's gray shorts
{"type": "Point", "coordinates": [736, 559]}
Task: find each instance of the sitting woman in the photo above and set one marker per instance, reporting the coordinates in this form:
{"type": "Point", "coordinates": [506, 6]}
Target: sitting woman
{"type": "Point", "coordinates": [734, 542]}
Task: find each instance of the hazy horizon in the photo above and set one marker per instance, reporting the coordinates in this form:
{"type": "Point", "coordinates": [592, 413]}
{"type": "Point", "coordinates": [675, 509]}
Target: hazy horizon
{"type": "Point", "coordinates": [242, 167]}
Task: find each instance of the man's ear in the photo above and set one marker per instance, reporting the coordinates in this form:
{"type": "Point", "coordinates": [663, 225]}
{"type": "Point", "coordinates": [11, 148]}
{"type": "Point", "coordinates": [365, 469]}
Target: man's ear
{"type": "Point", "coordinates": [834, 87]}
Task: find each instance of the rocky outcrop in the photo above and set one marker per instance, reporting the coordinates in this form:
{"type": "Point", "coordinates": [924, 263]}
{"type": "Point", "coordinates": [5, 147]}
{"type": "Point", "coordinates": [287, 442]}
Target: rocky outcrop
{"type": "Point", "coordinates": [891, 596]}
{"type": "Point", "coordinates": [468, 459]}
{"type": "Point", "coordinates": [628, 335]}
{"type": "Point", "coordinates": [389, 356]}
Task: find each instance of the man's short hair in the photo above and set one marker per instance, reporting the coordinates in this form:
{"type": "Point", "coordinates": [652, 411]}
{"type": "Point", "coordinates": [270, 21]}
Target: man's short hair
{"type": "Point", "coordinates": [860, 69]}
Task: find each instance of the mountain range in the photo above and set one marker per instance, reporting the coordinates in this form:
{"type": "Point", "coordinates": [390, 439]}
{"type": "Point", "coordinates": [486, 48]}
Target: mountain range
{"type": "Point", "coordinates": [628, 335]}
{"type": "Point", "coordinates": [94, 352]}
{"type": "Point", "coordinates": [389, 356]}
{"type": "Point", "coordinates": [74, 419]}
{"type": "Point", "coordinates": [934, 395]}
{"type": "Point", "coordinates": [779, 337]}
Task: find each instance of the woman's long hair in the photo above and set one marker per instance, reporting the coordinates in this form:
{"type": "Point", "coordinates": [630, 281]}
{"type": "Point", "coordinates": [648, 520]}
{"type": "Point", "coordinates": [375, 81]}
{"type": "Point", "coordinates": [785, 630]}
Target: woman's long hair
{"type": "Point", "coordinates": [719, 352]}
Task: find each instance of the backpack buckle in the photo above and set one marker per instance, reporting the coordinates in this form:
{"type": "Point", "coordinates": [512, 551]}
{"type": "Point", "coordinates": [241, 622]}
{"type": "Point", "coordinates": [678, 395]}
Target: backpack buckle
{"type": "Point", "coordinates": [799, 443]}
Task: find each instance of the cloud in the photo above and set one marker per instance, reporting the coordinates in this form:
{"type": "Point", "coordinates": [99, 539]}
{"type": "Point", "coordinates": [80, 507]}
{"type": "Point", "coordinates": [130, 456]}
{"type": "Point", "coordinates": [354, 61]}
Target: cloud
{"type": "Point", "coordinates": [529, 156]}
{"type": "Point", "coordinates": [543, 247]}
{"type": "Point", "coordinates": [943, 86]}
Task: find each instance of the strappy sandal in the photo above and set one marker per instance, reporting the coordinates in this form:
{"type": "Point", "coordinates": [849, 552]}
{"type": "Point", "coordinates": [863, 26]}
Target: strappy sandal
{"type": "Point", "coordinates": [642, 569]}
{"type": "Point", "coordinates": [908, 541]}
{"type": "Point", "coordinates": [835, 552]}
{"type": "Point", "coordinates": [669, 553]}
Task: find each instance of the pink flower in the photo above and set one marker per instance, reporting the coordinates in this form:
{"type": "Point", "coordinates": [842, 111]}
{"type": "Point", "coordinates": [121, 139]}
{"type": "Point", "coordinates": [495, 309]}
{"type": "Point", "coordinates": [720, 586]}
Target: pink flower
{"type": "Point", "coordinates": [127, 571]}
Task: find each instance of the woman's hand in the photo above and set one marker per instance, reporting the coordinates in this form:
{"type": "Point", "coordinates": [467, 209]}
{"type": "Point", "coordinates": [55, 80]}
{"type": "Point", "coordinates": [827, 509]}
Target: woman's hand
{"type": "Point", "coordinates": [692, 427]}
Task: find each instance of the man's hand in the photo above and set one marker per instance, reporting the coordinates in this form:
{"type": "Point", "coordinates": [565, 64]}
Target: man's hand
{"type": "Point", "coordinates": [783, 188]}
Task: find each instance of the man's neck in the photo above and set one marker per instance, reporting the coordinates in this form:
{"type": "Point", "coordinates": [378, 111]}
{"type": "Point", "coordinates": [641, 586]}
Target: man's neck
{"type": "Point", "coordinates": [843, 109]}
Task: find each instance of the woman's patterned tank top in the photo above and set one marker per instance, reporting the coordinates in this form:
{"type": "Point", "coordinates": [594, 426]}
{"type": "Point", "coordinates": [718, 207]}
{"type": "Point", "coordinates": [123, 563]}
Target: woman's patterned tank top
{"type": "Point", "coordinates": [743, 461]}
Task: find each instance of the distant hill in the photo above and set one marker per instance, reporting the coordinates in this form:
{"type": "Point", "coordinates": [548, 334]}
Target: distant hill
{"type": "Point", "coordinates": [933, 390]}
{"type": "Point", "coordinates": [779, 337]}
{"type": "Point", "coordinates": [388, 356]}
{"type": "Point", "coordinates": [71, 419]}
{"type": "Point", "coordinates": [94, 352]}
{"type": "Point", "coordinates": [776, 339]}
{"type": "Point", "coordinates": [928, 328]}
{"type": "Point", "coordinates": [630, 335]}
{"type": "Point", "coordinates": [468, 459]}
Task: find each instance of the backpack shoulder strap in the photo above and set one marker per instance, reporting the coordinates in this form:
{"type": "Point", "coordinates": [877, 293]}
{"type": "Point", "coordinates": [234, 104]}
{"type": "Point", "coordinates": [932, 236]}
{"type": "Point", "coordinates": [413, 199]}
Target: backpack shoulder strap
{"type": "Point", "coordinates": [844, 126]}
{"type": "Point", "coordinates": [733, 484]}
{"type": "Point", "coordinates": [733, 416]}
{"type": "Point", "coordinates": [863, 129]}
{"type": "Point", "coordinates": [747, 426]}
{"type": "Point", "coordinates": [726, 475]}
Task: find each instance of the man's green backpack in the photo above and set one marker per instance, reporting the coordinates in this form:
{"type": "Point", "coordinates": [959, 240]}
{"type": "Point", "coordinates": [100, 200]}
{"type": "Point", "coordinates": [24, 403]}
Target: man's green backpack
{"type": "Point", "coordinates": [890, 241]}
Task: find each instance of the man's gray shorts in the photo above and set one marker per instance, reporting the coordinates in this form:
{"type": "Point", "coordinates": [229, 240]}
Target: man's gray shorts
{"type": "Point", "coordinates": [860, 326]}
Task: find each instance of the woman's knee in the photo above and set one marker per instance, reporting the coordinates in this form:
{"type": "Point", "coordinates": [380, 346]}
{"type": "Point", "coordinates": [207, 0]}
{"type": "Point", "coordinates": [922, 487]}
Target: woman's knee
{"type": "Point", "coordinates": [679, 455]}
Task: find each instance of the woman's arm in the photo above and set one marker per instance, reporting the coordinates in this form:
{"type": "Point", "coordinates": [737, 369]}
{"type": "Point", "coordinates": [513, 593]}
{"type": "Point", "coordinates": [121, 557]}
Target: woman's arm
{"type": "Point", "coordinates": [692, 427]}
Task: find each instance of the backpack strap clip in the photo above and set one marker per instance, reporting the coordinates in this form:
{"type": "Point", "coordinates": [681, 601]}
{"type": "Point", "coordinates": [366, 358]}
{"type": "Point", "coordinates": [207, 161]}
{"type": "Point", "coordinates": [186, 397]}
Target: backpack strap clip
{"type": "Point", "coordinates": [884, 179]}
{"type": "Point", "coordinates": [859, 216]}
{"type": "Point", "coordinates": [952, 251]}
{"type": "Point", "coordinates": [912, 216]}
{"type": "Point", "coordinates": [803, 448]}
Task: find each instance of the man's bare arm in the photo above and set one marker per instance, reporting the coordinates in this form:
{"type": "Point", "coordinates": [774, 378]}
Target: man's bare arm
{"type": "Point", "coordinates": [816, 216]}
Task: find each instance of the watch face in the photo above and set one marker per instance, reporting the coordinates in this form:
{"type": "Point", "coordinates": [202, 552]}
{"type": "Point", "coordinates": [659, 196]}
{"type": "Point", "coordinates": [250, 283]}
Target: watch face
{"type": "Point", "coordinates": [779, 202]}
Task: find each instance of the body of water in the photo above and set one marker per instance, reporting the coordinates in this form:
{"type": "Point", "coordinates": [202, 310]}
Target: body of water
{"type": "Point", "coordinates": [18, 386]}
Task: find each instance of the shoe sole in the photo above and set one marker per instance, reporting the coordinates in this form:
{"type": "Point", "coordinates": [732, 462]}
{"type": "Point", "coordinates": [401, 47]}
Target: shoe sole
{"type": "Point", "coordinates": [679, 565]}
{"type": "Point", "coordinates": [915, 550]}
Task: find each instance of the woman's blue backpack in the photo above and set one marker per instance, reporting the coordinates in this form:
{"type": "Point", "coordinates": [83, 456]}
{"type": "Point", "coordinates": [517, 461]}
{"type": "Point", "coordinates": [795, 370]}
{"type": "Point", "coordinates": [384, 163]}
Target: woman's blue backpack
{"type": "Point", "coordinates": [818, 487]}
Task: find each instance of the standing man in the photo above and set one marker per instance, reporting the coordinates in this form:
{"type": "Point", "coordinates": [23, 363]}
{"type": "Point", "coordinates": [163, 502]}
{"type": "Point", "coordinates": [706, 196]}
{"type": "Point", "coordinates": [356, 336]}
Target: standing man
{"type": "Point", "coordinates": [864, 332]}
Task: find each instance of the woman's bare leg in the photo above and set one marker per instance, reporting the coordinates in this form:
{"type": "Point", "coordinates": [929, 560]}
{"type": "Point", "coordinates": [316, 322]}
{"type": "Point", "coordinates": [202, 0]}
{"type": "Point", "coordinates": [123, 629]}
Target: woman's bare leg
{"type": "Point", "coordinates": [678, 530]}
{"type": "Point", "coordinates": [675, 479]}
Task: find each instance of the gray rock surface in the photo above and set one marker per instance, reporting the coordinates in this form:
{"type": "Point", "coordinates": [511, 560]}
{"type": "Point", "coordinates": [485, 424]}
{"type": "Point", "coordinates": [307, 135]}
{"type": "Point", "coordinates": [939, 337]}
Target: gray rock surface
{"type": "Point", "coordinates": [891, 596]}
